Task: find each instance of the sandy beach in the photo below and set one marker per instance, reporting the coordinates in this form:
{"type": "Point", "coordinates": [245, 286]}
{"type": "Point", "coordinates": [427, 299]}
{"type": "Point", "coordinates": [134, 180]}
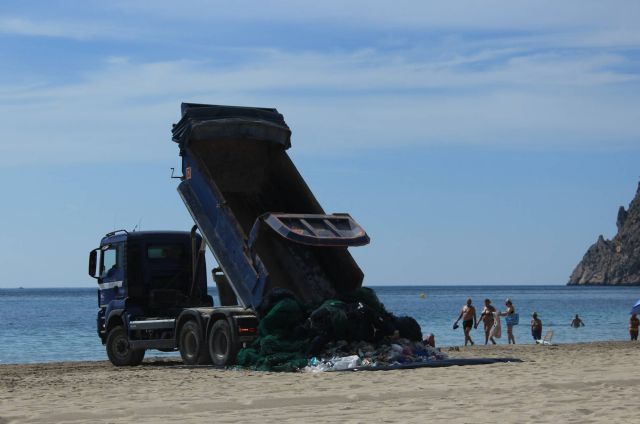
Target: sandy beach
{"type": "Point", "coordinates": [581, 383]}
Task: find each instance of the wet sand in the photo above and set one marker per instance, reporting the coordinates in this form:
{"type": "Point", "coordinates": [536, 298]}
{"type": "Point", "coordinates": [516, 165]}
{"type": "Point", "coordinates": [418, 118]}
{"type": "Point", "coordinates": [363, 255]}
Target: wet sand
{"type": "Point", "coordinates": [573, 383]}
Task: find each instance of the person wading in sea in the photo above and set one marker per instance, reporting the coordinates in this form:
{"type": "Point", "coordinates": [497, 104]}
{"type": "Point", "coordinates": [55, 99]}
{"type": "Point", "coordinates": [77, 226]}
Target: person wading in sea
{"type": "Point", "coordinates": [469, 320]}
{"type": "Point", "coordinates": [577, 322]}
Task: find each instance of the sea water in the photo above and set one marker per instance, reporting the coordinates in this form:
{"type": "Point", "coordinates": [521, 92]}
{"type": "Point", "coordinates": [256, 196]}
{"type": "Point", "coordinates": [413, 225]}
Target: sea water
{"type": "Point", "coordinates": [44, 325]}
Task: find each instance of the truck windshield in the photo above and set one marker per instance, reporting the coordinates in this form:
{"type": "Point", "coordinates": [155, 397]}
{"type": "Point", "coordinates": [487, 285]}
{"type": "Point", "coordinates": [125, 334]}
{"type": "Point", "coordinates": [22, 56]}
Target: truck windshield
{"type": "Point", "coordinates": [173, 252]}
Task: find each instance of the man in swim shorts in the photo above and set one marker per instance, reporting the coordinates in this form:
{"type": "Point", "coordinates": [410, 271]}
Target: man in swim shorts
{"type": "Point", "coordinates": [469, 320]}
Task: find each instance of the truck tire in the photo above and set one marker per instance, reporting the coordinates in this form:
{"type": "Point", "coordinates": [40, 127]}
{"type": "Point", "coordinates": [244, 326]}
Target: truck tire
{"type": "Point", "coordinates": [222, 345]}
{"type": "Point", "coordinates": [118, 350]}
{"type": "Point", "coordinates": [193, 348]}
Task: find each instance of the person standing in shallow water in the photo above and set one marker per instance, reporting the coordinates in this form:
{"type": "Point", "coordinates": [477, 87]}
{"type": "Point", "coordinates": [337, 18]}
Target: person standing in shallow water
{"type": "Point", "coordinates": [510, 311]}
{"type": "Point", "coordinates": [634, 323]}
{"type": "Point", "coordinates": [486, 316]}
{"type": "Point", "coordinates": [577, 322]}
{"type": "Point", "coordinates": [469, 320]}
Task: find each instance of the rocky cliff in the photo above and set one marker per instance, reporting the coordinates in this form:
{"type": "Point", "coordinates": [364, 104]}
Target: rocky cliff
{"type": "Point", "coordinates": [615, 261]}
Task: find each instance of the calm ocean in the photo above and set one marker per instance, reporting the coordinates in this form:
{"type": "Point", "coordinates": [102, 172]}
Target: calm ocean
{"type": "Point", "coordinates": [43, 325]}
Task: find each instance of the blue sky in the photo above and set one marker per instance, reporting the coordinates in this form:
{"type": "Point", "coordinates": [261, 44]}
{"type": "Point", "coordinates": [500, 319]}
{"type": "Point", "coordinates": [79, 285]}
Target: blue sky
{"type": "Point", "coordinates": [476, 142]}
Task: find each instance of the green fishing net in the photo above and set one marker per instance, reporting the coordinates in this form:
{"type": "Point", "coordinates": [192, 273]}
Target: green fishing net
{"type": "Point", "coordinates": [284, 337]}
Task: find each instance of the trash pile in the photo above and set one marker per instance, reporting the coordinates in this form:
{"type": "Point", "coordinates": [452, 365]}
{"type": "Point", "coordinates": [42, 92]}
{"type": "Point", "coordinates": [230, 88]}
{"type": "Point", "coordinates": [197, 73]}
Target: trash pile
{"type": "Point", "coordinates": [353, 331]}
{"type": "Point", "coordinates": [365, 355]}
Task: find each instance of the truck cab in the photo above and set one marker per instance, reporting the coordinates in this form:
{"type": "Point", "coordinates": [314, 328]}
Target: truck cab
{"type": "Point", "coordinates": [150, 286]}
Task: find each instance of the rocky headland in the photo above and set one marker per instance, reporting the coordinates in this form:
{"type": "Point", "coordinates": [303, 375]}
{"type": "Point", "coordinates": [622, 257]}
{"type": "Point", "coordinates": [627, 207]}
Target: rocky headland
{"type": "Point", "coordinates": [614, 262]}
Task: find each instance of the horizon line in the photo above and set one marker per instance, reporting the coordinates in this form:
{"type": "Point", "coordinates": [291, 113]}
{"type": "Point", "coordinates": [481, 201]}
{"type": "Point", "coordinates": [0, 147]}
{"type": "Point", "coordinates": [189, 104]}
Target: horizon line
{"type": "Point", "coordinates": [364, 285]}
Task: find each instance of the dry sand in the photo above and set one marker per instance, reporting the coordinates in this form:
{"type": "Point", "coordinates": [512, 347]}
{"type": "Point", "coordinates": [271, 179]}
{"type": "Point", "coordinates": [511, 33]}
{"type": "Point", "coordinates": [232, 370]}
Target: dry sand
{"type": "Point", "coordinates": [577, 383]}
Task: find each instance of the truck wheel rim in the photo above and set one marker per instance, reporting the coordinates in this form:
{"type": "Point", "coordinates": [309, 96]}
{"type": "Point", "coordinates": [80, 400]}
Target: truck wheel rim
{"type": "Point", "coordinates": [221, 343]}
{"type": "Point", "coordinates": [190, 344]}
{"type": "Point", "coordinates": [121, 347]}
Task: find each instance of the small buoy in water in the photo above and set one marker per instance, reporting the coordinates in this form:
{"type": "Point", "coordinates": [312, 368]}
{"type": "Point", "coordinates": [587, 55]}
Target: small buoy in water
{"type": "Point", "coordinates": [423, 296]}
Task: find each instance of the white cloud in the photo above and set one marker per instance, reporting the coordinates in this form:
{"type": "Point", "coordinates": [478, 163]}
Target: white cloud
{"type": "Point", "coordinates": [76, 29]}
{"type": "Point", "coordinates": [574, 22]}
{"type": "Point", "coordinates": [405, 14]}
{"type": "Point", "coordinates": [537, 73]}
{"type": "Point", "coordinates": [362, 72]}
{"type": "Point", "coordinates": [363, 99]}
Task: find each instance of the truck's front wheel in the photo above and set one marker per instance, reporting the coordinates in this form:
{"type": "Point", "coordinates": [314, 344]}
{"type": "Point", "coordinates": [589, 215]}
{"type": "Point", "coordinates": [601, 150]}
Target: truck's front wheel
{"type": "Point", "coordinates": [222, 345]}
{"type": "Point", "coordinates": [118, 349]}
{"type": "Point", "coordinates": [193, 348]}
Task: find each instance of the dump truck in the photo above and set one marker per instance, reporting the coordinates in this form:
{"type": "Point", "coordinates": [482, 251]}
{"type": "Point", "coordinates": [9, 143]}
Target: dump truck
{"type": "Point", "coordinates": [255, 213]}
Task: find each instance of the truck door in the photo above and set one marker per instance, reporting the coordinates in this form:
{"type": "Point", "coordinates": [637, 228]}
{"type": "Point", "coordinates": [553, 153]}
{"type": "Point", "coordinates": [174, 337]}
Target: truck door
{"type": "Point", "coordinates": [111, 273]}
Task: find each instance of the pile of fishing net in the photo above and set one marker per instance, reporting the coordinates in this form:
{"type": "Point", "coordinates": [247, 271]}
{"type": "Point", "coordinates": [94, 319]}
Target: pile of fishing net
{"type": "Point", "coordinates": [293, 336]}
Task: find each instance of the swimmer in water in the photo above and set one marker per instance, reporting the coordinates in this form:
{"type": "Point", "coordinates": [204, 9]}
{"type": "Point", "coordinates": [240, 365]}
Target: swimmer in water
{"type": "Point", "coordinates": [577, 322]}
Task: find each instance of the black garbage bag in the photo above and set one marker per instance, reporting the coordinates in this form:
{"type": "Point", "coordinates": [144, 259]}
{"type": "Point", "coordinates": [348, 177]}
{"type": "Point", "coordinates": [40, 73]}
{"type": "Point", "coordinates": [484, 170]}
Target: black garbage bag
{"type": "Point", "coordinates": [366, 296]}
{"type": "Point", "coordinates": [408, 328]}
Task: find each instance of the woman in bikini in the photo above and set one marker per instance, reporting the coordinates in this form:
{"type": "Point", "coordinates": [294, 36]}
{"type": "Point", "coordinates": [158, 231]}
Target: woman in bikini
{"type": "Point", "coordinates": [486, 316]}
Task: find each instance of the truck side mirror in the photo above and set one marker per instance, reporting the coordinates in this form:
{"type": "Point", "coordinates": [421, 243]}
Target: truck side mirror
{"type": "Point", "coordinates": [93, 262]}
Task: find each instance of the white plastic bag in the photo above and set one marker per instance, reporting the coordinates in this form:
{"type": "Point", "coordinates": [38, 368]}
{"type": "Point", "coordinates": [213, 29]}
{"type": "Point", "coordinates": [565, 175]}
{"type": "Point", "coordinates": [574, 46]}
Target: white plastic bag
{"type": "Point", "coordinates": [345, 363]}
{"type": "Point", "coordinates": [496, 330]}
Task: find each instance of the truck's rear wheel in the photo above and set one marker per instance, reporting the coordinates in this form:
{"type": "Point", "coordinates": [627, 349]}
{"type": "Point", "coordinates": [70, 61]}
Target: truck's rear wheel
{"type": "Point", "coordinates": [118, 349]}
{"type": "Point", "coordinates": [222, 345]}
{"type": "Point", "coordinates": [193, 348]}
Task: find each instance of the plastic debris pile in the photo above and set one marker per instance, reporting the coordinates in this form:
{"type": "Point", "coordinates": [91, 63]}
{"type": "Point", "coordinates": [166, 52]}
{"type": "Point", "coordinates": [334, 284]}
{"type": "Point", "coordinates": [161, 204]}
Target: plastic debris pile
{"type": "Point", "coordinates": [353, 331]}
{"type": "Point", "coordinates": [343, 356]}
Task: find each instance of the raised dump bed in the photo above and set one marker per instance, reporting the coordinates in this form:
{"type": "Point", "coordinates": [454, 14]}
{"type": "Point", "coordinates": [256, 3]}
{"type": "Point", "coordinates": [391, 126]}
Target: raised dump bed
{"type": "Point", "coordinates": [255, 211]}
